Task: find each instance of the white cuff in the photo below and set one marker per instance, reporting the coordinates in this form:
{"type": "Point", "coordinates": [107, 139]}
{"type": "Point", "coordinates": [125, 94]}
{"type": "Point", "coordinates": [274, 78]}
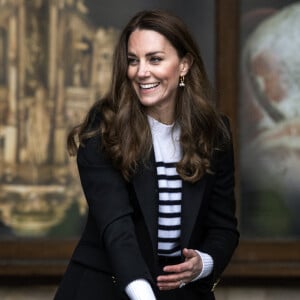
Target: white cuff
{"type": "Point", "coordinates": [140, 289]}
{"type": "Point", "coordinates": [207, 265]}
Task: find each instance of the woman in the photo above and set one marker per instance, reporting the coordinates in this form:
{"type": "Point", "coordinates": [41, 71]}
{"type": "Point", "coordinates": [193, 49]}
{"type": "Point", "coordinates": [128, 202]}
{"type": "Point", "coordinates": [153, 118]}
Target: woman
{"type": "Point", "coordinates": [156, 165]}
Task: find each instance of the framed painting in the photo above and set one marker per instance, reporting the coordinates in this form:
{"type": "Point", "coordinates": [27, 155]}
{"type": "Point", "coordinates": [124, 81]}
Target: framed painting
{"type": "Point", "coordinates": [55, 61]}
{"type": "Point", "coordinates": [47, 53]}
{"type": "Point", "coordinates": [257, 79]}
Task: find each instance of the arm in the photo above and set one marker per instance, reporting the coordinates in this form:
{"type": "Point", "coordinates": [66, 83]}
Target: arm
{"type": "Point", "coordinates": [108, 201]}
{"type": "Point", "coordinates": [220, 230]}
{"type": "Point", "coordinates": [222, 235]}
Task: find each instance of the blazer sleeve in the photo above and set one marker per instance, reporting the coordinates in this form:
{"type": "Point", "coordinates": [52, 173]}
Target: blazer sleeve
{"type": "Point", "coordinates": [107, 196]}
{"type": "Point", "coordinates": [221, 236]}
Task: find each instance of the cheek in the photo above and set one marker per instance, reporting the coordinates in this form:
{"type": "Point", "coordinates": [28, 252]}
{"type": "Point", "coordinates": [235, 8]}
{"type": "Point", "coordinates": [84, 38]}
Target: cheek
{"type": "Point", "coordinates": [171, 73]}
{"type": "Point", "coordinates": [130, 73]}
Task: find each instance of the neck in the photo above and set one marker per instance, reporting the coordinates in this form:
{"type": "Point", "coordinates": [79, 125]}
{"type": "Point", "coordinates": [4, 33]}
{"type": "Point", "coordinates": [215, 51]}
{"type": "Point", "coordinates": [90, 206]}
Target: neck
{"type": "Point", "coordinates": [165, 117]}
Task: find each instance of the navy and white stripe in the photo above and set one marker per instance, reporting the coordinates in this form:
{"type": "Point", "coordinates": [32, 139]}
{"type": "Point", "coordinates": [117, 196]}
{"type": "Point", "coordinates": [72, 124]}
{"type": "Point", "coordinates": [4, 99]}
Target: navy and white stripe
{"type": "Point", "coordinates": [167, 153]}
{"type": "Point", "coordinates": [169, 216]}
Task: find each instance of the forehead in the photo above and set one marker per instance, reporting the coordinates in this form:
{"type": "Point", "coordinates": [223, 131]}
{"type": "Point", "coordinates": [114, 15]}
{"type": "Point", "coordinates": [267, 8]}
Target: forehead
{"type": "Point", "coordinates": [148, 40]}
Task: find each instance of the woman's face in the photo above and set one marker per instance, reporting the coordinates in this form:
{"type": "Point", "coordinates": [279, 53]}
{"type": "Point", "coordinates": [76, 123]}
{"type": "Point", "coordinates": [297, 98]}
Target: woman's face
{"type": "Point", "coordinates": [154, 68]}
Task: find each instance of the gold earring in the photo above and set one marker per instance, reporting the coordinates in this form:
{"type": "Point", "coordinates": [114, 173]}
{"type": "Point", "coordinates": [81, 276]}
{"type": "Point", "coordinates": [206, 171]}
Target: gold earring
{"type": "Point", "coordinates": [181, 81]}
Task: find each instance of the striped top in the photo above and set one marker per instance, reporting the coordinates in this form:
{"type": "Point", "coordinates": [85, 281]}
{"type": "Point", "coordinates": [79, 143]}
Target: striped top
{"type": "Point", "coordinates": [167, 152]}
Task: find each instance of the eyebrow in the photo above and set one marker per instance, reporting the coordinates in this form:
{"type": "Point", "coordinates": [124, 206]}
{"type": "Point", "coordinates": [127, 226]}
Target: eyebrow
{"type": "Point", "coordinates": [148, 54]}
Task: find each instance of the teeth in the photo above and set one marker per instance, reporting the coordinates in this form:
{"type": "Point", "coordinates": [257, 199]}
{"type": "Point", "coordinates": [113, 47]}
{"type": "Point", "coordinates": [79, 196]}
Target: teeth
{"type": "Point", "coordinates": [149, 85]}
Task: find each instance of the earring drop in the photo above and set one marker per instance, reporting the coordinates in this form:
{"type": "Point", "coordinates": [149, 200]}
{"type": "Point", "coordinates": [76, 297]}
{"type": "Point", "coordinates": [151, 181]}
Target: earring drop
{"type": "Point", "coordinates": [181, 81]}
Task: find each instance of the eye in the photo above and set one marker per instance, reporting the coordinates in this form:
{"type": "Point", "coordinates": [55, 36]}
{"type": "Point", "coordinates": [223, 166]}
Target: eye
{"type": "Point", "coordinates": [132, 61]}
{"type": "Point", "coordinates": [155, 59]}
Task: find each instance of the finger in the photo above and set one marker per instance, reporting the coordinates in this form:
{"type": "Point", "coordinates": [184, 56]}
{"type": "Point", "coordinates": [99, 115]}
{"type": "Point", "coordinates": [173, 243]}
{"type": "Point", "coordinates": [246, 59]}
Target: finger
{"type": "Point", "coordinates": [170, 285]}
{"type": "Point", "coordinates": [179, 268]}
{"type": "Point", "coordinates": [171, 278]}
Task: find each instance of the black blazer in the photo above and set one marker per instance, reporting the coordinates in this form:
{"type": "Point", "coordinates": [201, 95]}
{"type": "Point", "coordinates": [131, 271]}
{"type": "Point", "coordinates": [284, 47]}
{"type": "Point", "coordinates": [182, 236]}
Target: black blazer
{"type": "Point", "coordinates": [120, 237]}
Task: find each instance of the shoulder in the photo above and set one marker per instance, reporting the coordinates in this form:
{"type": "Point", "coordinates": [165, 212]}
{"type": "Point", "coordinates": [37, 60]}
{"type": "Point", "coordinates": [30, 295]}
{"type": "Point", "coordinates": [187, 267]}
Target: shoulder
{"type": "Point", "coordinates": [225, 120]}
{"type": "Point", "coordinates": [90, 149]}
{"type": "Point", "coordinates": [224, 136]}
{"type": "Point", "coordinates": [223, 148]}
{"type": "Point", "coordinates": [90, 152]}
{"type": "Point", "coordinates": [93, 118]}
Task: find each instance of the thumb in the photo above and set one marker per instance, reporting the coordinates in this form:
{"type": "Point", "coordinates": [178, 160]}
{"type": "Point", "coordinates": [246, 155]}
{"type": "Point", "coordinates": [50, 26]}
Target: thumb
{"type": "Point", "coordinates": [188, 253]}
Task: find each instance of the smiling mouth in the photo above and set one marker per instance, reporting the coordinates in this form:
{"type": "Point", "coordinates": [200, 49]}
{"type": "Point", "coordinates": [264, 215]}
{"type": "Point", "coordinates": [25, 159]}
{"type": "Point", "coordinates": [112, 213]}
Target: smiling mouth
{"type": "Point", "coordinates": [149, 86]}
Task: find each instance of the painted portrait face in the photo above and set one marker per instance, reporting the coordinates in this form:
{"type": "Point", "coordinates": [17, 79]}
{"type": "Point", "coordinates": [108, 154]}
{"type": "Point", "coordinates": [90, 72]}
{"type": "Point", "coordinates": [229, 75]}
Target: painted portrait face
{"type": "Point", "coordinates": [154, 68]}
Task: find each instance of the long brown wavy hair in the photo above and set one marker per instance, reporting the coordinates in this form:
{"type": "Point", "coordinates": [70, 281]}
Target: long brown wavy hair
{"type": "Point", "coordinates": [124, 130]}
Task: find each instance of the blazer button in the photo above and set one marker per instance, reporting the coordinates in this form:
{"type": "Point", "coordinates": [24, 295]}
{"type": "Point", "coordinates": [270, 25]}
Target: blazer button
{"type": "Point", "coordinates": [114, 280]}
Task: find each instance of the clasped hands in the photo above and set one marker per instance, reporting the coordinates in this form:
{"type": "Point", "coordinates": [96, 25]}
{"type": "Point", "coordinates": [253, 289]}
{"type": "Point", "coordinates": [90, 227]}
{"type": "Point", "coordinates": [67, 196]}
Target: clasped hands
{"type": "Point", "coordinates": [182, 273]}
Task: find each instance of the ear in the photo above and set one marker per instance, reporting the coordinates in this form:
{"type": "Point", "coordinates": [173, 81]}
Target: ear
{"type": "Point", "coordinates": [185, 64]}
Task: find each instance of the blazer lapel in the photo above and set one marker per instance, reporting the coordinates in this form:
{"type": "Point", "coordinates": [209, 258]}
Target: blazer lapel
{"type": "Point", "coordinates": [192, 195]}
{"type": "Point", "coordinates": [146, 188]}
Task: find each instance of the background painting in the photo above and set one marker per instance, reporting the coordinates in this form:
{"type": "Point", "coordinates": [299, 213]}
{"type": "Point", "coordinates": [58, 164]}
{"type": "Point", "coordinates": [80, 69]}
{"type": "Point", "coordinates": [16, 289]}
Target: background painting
{"type": "Point", "coordinates": [269, 119]}
{"type": "Point", "coordinates": [55, 60]}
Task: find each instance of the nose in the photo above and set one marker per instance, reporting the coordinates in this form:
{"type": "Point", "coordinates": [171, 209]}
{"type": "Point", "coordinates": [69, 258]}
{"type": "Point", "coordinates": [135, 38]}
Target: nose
{"type": "Point", "coordinates": [143, 70]}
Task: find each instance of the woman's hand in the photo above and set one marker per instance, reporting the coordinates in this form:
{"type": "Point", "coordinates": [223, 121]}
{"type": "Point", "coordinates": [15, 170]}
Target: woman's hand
{"type": "Point", "coordinates": [182, 273]}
